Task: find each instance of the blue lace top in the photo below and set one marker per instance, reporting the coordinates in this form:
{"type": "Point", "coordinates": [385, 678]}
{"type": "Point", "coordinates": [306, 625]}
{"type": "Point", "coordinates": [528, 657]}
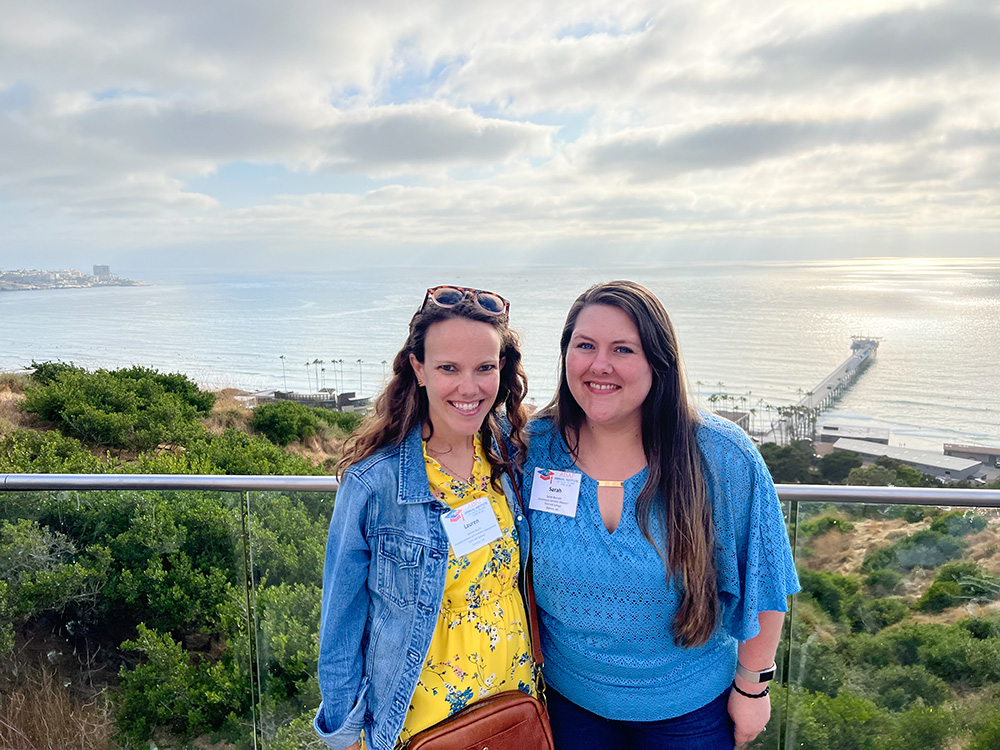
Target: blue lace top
{"type": "Point", "coordinates": [605, 605]}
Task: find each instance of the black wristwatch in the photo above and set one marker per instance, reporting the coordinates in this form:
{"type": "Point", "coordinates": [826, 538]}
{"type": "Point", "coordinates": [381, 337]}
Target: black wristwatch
{"type": "Point", "coordinates": [765, 675]}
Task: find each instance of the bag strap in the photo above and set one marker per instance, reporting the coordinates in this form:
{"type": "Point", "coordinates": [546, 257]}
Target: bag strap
{"type": "Point", "coordinates": [531, 611]}
{"type": "Point", "coordinates": [529, 594]}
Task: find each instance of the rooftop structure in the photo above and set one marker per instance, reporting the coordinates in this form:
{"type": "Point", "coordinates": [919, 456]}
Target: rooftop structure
{"type": "Point", "coordinates": [831, 433]}
{"type": "Point", "coordinates": [989, 456]}
{"type": "Point", "coordinates": [938, 465]}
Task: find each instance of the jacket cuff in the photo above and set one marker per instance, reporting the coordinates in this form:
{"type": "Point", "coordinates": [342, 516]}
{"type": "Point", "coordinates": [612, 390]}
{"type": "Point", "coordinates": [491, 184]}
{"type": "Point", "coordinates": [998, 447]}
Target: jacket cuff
{"type": "Point", "coordinates": [349, 731]}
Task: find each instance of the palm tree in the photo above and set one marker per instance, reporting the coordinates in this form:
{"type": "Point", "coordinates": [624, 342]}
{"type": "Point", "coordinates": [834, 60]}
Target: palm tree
{"type": "Point", "coordinates": [309, 375]}
{"type": "Point", "coordinates": [360, 381]}
{"type": "Point", "coordinates": [284, 380]}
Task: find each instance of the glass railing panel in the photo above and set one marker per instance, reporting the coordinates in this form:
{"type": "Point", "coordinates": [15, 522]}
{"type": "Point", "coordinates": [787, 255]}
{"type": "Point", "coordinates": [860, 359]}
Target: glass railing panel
{"type": "Point", "coordinates": [895, 638]}
{"type": "Point", "coordinates": [124, 620]}
{"type": "Point", "coordinates": [288, 532]}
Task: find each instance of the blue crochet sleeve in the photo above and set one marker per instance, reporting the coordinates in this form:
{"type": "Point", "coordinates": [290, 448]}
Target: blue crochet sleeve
{"type": "Point", "coordinates": [756, 572]}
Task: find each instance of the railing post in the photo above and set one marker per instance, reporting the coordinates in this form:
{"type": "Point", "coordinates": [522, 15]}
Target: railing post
{"type": "Point", "coordinates": [251, 610]}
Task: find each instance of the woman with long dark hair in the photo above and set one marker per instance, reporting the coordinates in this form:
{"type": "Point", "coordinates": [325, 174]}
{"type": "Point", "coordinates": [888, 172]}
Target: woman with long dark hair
{"type": "Point", "coordinates": [421, 608]}
{"type": "Point", "coordinates": [661, 559]}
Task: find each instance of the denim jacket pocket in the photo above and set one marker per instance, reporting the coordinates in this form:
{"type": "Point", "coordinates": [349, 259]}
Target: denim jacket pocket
{"type": "Point", "coordinates": [398, 565]}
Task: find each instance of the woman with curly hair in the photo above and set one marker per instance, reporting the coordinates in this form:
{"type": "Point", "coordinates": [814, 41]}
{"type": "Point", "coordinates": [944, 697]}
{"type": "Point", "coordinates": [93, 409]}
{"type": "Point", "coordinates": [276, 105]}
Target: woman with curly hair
{"type": "Point", "coordinates": [421, 611]}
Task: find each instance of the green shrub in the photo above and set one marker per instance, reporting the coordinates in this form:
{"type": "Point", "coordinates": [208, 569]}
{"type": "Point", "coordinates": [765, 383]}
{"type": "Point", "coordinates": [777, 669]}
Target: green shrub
{"type": "Point", "coordinates": [986, 736]}
{"type": "Point", "coordinates": [880, 558]}
{"type": "Point", "coordinates": [823, 669]}
{"type": "Point", "coordinates": [883, 582]}
{"type": "Point", "coordinates": [821, 526]}
{"type": "Point", "coordinates": [42, 573]}
{"type": "Point", "coordinates": [135, 408]}
{"type": "Point", "coordinates": [959, 523]}
{"type": "Point", "coordinates": [981, 627]}
{"type": "Point", "coordinates": [912, 513]}
{"type": "Point", "coordinates": [871, 615]}
{"type": "Point", "coordinates": [958, 583]}
{"type": "Point", "coordinates": [924, 727]}
{"type": "Point", "coordinates": [46, 372]}
{"type": "Point", "coordinates": [235, 452]}
{"type": "Point", "coordinates": [832, 591]}
{"type": "Point", "coordinates": [927, 549]}
{"type": "Point", "coordinates": [345, 420]}
{"type": "Point", "coordinates": [30, 452]}
{"type": "Point", "coordinates": [843, 722]}
{"type": "Point", "coordinates": [171, 690]}
{"type": "Point", "coordinates": [283, 422]}
{"type": "Point", "coordinates": [837, 465]}
{"type": "Point", "coordinates": [899, 687]}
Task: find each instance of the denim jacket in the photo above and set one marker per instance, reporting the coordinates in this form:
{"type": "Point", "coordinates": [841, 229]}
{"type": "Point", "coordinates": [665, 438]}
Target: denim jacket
{"type": "Point", "coordinates": [383, 584]}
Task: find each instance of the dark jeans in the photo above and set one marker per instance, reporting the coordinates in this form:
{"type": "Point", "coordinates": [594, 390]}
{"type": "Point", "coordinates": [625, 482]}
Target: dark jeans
{"type": "Point", "coordinates": [705, 728]}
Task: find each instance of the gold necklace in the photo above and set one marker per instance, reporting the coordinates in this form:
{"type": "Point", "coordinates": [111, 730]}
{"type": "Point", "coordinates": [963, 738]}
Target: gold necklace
{"type": "Point", "coordinates": [455, 474]}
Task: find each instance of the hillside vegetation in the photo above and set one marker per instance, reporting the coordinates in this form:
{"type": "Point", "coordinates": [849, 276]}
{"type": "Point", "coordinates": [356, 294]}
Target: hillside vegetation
{"type": "Point", "coordinates": [126, 618]}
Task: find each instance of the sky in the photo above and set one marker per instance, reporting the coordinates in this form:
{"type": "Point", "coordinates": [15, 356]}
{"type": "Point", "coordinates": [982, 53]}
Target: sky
{"type": "Point", "coordinates": [311, 134]}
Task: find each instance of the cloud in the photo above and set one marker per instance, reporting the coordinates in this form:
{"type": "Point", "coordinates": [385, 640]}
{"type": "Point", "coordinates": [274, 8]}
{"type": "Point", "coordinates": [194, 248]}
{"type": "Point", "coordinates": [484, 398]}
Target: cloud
{"type": "Point", "coordinates": [571, 122]}
{"type": "Point", "coordinates": [650, 154]}
{"type": "Point", "coordinates": [909, 42]}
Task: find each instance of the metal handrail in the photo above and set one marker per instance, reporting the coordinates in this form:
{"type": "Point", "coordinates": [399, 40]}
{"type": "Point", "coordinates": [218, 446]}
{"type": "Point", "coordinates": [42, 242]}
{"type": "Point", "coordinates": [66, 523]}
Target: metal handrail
{"type": "Point", "coordinates": [283, 483]}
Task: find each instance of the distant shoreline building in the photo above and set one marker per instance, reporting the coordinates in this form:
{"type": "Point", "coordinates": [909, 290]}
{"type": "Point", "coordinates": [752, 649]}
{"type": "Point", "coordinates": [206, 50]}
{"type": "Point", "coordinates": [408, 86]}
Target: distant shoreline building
{"type": "Point", "coordinates": [947, 468]}
{"type": "Point", "coordinates": [23, 279]}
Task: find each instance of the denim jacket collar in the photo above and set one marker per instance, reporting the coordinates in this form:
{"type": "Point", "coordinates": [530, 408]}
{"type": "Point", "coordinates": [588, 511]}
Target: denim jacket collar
{"type": "Point", "coordinates": [413, 487]}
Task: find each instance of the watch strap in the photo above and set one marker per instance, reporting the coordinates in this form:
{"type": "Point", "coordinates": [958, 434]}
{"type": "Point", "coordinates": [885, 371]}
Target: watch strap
{"type": "Point", "coordinates": [765, 675]}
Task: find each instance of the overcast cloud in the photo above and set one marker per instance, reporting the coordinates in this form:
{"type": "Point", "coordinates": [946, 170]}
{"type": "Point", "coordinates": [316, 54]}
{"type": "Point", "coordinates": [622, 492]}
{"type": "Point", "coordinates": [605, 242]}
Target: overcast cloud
{"type": "Point", "coordinates": [135, 132]}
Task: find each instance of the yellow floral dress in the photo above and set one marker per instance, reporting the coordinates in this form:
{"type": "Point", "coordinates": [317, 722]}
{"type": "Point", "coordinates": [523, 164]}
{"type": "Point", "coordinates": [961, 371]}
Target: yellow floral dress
{"type": "Point", "coordinates": [481, 644]}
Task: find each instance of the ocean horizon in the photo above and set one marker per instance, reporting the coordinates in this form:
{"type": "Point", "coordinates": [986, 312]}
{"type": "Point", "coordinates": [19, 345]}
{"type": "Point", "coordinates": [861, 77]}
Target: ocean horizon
{"type": "Point", "coordinates": [766, 331]}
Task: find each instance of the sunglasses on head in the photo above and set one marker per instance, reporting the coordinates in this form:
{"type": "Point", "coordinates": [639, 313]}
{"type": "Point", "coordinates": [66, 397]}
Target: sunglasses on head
{"type": "Point", "coordinates": [449, 296]}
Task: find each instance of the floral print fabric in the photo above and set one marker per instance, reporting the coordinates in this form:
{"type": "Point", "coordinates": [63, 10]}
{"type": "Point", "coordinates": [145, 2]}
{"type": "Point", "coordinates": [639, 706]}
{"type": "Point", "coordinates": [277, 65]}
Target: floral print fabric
{"type": "Point", "coordinates": [481, 644]}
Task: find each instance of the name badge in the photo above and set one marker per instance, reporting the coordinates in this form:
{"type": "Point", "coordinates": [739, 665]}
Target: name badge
{"type": "Point", "coordinates": [555, 491]}
{"type": "Point", "coordinates": [472, 526]}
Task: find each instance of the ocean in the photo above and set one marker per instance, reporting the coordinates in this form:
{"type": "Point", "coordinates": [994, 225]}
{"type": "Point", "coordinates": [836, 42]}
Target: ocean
{"type": "Point", "coordinates": [766, 331]}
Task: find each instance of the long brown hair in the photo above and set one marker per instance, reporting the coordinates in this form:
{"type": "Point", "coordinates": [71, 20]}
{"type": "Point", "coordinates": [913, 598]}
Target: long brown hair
{"type": "Point", "coordinates": [675, 487]}
{"type": "Point", "coordinates": [403, 404]}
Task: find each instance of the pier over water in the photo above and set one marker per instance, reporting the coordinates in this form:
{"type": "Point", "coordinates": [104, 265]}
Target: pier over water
{"type": "Point", "coordinates": [799, 421]}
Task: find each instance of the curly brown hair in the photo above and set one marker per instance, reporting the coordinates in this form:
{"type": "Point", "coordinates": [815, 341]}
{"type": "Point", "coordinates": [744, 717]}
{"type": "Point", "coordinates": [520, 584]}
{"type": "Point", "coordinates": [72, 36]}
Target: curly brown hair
{"type": "Point", "coordinates": [402, 405]}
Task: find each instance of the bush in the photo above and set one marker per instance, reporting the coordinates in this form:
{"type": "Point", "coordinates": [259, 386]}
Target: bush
{"type": "Point", "coordinates": [958, 583]}
{"type": "Point", "coordinates": [883, 582]}
{"type": "Point", "coordinates": [820, 526]}
{"type": "Point", "coordinates": [927, 549]}
{"type": "Point", "coordinates": [283, 422]}
{"type": "Point", "coordinates": [871, 615]}
{"type": "Point", "coordinates": [912, 513]}
{"type": "Point", "coordinates": [832, 591]}
{"type": "Point", "coordinates": [30, 452]}
{"type": "Point", "coordinates": [788, 463]}
{"type": "Point", "coordinates": [837, 465]}
{"type": "Point", "coordinates": [235, 452]}
{"type": "Point", "coordinates": [899, 687]}
{"type": "Point", "coordinates": [843, 722]}
{"type": "Point", "coordinates": [823, 669]}
{"type": "Point", "coordinates": [880, 558]}
{"type": "Point", "coordinates": [982, 627]}
{"type": "Point", "coordinates": [170, 690]}
{"type": "Point", "coordinates": [959, 523]}
{"type": "Point", "coordinates": [345, 420]}
{"type": "Point", "coordinates": [923, 727]}
{"type": "Point", "coordinates": [40, 573]}
{"type": "Point", "coordinates": [135, 408]}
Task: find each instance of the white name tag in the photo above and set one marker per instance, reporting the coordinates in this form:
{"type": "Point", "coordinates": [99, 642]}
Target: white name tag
{"type": "Point", "coordinates": [555, 491]}
{"type": "Point", "coordinates": [472, 526]}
